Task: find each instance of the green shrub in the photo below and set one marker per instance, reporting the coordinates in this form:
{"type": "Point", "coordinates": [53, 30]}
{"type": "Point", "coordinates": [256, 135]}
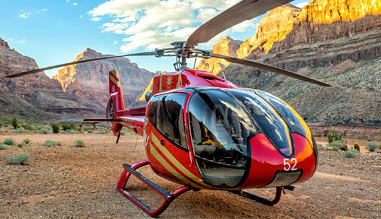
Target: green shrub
{"type": "Point", "coordinates": [338, 145]}
{"type": "Point", "coordinates": [334, 135]}
{"type": "Point", "coordinates": [26, 141]}
{"type": "Point", "coordinates": [43, 131]}
{"type": "Point", "coordinates": [19, 159]}
{"type": "Point", "coordinates": [79, 144]}
{"type": "Point", "coordinates": [15, 123]}
{"type": "Point", "coordinates": [27, 126]}
{"type": "Point", "coordinates": [90, 131]}
{"type": "Point", "coordinates": [51, 143]}
{"type": "Point", "coordinates": [3, 146]}
{"type": "Point", "coordinates": [9, 141]}
{"type": "Point", "coordinates": [371, 146]}
{"type": "Point", "coordinates": [122, 133]}
{"type": "Point", "coordinates": [20, 145]}
{"type": "Point", "coordinates": [352, 153]}
{"type": "Point", "coordinates": [55, 127]}
{"type": "Point", "coordinates": [68, 126]}
{"type": "Point", "coordinates": [17, 131]}
{"type": "Point", "coordinates": [356, 146]}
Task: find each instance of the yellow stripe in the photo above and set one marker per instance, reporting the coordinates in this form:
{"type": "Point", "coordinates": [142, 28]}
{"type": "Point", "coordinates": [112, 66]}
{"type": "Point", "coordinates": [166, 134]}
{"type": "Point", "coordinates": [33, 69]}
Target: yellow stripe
{"type": "Point", "coordinates": [161, 79]}
{"type": "Point", "coordinates": [176, 162]}
{"type": "Point", "coordinates": [115, 81]}
{"type": "Point", "coordinates": [115, 73]}
{"type": "Point", "coordinates": [178, 80]}
{"type": "Point", "coordinates": [167, 166]}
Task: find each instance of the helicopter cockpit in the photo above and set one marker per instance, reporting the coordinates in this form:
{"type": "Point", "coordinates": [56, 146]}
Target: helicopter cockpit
{"type": "Point", "coordinates": [221, 123]}
{"type": "Point", "coordinates": [219, 130]}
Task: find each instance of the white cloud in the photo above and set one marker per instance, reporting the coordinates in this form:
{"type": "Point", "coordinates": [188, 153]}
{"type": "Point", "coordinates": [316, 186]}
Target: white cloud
{"type": "Point", "coordinates": [25, 15]}
{"type": "Point", "coordinates": [67, 1]}
{"type": "Point", "coordinates": [302, 4]}
{"type": "Point", "coordinates": [115, 42]}
{"type": "Point", "coordinates": [151, 24]}
{"type": "Point", "coordinates": [75, 3]}
{"type": "Point", "coordinates": [95, 18]}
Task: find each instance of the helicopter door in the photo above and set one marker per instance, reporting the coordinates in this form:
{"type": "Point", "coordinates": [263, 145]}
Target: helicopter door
{"type": "Point", "coordinates": [170, 118]}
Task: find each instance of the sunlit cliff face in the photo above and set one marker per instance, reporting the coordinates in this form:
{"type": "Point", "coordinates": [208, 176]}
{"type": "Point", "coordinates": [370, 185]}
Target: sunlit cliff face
{"type": "Point", "coordinates": [225, 46]}
{"type": "Point", "coordinates": [280, 21]}
{"type": "Point", "coordinates": [329, 11]}
{"type": "Point", "coordinates": [272, 28]}
{"type": "Point", "coordinates": [65, 76]}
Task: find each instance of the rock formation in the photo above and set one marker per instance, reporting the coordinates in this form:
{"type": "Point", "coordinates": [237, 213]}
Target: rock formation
{"type": "Point", "coordinates": [225, 46]}
{"type": "Point", "coordinates": [89, 81]}
{"type": "Point", "coordinates": [76, 92]}
{"type": "Point", "coordinates": [333, 41]}
{"type": "Point", "coordinates": [272, 28]}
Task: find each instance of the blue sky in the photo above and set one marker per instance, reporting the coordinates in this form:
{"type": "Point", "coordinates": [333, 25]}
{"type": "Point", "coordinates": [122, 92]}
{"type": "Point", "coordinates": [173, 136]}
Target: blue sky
{"type": "Point", "coordinates": [54, 32]}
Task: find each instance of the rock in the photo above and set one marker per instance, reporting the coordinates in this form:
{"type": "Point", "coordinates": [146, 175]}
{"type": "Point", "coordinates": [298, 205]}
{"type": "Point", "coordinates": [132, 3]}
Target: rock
{"type": "Point", "coordinates": [89, 81]}
{"type": "Point", "coordinates": [272, 28]}
{"type": "Point", "coordinates": [225, 46]}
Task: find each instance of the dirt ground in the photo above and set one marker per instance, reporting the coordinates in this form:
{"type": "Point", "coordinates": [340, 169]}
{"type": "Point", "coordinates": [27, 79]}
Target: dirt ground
{"type": "Point", "coordinates": [68, 182]}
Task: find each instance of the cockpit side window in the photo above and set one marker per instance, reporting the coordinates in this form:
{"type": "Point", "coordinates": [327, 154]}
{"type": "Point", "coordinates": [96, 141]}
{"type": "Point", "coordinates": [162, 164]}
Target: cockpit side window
{"type": "Point", "coordinates": [167, 115]}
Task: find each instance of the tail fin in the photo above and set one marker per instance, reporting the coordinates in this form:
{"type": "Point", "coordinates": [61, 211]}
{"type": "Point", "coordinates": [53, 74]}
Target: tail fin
{"type": "Point", "coordinates": [115, 90]}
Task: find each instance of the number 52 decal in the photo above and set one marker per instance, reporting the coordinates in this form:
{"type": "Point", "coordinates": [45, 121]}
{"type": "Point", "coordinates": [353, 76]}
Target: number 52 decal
{"type": "Point", "coordinates": [289, 164]}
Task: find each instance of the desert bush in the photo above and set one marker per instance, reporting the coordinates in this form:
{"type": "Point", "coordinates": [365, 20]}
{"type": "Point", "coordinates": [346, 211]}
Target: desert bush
{"type": "Point", "coordinates": [69, 126]}
{"type": "Point", "coordinates": [90, 131]}
{"type": "Point", "coordinates": [27, 126]}
{"type": "Point", "coordinates": [17, 131]}
{"type": "Point", "coordinates": [371, 146]}
{"type": "Point", "coordinates": [79, 144]}
{"type": "Point", "coordinates": [338, 145]}
{"type": "Point", "coordinates": [55, 127]}
{"type": "Point", "coordinates": [20, 145]}
{"type": "Point", "coordinates": [122, 133]}
{"type": "Point", "coordinates": [15, 123]}
{"type": "Point", "coordinates": [26, 141]}
{"type": "Point", "coordinates": [334, 135]}
{"type": "Point", "coordinates": [19, 159]}
{"type": "Point", "coordinates": [352, 153]}
{"type": "Point", "coordinates": [43, 131]}
{"type": "Point", "coordinates": [9, 141]}
{"type": "Point", "coordinates": [3, 146]}
{"type": "Point", "coordinates": [51, 143]}
{"type": "Point", "coordinates": [356, 146]}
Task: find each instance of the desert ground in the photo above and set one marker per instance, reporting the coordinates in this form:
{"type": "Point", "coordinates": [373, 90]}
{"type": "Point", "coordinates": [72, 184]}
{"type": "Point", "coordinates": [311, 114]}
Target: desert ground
{"type": "Point", "coordinates": [69, 182]}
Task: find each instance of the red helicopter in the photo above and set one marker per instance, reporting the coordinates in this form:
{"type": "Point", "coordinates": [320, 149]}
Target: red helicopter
{"type": "Point", "coordinates": [203, 132]}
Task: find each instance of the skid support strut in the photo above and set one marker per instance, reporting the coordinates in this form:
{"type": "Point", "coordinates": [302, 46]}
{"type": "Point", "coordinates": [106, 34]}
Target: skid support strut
{"type": "Point", "coordinates": [261, 199]}
{"type": "Point", "coordinates": [168, 197]}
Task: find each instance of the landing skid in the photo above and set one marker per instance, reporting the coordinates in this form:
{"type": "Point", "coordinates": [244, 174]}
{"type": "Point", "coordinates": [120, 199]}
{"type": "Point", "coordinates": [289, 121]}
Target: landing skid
{"type": "Point", "coordinates": [168, 197]}
{"type": "Point", "coordinates": [260, 199]}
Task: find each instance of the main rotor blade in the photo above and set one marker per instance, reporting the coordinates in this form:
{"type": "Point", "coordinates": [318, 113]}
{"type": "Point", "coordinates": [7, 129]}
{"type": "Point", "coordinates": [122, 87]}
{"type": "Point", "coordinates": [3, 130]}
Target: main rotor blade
{"type": "Point", "coordinates": [244, 10]}
{"type": "Point", "coordinates": [270, 68]}
{"type": "Point", "coordinates": [77, 62]}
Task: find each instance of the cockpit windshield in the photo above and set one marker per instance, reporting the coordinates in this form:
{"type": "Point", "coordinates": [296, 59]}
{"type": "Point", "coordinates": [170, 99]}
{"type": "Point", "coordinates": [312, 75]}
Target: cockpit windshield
{"type": "Point", "coordinates": [220, 128]}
